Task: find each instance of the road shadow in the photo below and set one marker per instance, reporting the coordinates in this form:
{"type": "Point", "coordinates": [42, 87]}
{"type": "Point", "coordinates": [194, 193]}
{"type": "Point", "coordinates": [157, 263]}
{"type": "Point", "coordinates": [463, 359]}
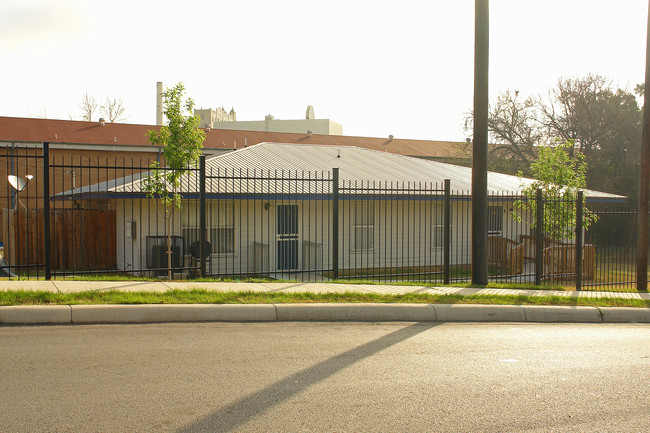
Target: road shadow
{"type": "Point", "coordinates": [235, 414]}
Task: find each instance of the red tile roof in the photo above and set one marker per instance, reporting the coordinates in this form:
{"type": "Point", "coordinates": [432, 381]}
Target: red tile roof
{"type": "Point", "coordinates": [76, 132]}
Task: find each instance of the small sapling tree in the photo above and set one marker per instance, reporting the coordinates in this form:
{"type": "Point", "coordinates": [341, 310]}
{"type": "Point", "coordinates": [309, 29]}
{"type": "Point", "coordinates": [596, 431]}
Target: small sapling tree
{"type": "Point", "coordinates": [560, 176]}
{"type": "Point", "coordinates": [182, 143]}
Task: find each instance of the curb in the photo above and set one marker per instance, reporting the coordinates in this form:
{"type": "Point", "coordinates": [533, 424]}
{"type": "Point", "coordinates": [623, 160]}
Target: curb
{"type": "Point", "coordinates": [151, 313]}
{"type": "Point", "coordinates": [31, 314]}
{"type": "Point", "coordinates": [479, 313]}
{"type": "Point", "coordinates": [356, 312]}
{"type": "Point", "coordinates": [156, 313]}
{"type": "Point", "coordinates": [564, 314]}
{"type": "Point", "coordinates": [625, 314]}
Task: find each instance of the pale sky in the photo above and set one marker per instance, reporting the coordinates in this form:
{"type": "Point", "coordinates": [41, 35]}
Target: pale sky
{"type": "Point", "coordinates": [377, 67]}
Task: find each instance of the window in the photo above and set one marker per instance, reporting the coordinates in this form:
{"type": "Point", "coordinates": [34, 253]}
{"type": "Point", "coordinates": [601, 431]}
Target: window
{"type": "Point", "coordinates": [219, 221]}
{"type": "Point", "coordinates": [222, 227]}
{"type": "Point", "coordinates": [437, 226]}
{"type": "Point", "coordinates": [495, 220]}
{"type": "Point", "coordinates": [363, 225]}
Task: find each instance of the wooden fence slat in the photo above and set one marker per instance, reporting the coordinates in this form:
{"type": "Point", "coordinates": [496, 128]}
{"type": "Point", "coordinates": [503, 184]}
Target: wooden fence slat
{"type": "Point", "coordinates": [76, 222]}
{"type": "Point", "coordinates": [111, 251]}
{"type": "Point", "coordinates": [506, 253]}
{"type": "Point", "coordinates": [560, 260]}
{"type": "Point", "coordinates": [90, 242]}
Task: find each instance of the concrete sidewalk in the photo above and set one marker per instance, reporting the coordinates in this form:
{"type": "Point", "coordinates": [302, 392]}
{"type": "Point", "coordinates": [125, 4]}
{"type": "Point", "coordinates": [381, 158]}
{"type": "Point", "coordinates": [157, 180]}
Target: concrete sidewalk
{"type": "Point", "coordinates": [314, 312]}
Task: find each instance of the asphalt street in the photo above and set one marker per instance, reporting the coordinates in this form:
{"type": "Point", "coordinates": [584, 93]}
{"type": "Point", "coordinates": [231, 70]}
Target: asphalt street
{"type": "Point", "coordinates": [325, 377]}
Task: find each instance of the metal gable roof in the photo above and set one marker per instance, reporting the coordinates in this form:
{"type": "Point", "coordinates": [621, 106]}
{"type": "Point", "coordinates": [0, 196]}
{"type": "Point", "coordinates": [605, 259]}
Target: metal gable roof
{"type": "Point", "coordinates": [257, 170]}
{"type": "Point", "coordinates": [365, 165]}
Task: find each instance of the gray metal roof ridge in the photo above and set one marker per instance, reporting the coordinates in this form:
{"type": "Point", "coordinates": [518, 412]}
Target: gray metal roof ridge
{"type": "Point", "coordinates": [361, 165]}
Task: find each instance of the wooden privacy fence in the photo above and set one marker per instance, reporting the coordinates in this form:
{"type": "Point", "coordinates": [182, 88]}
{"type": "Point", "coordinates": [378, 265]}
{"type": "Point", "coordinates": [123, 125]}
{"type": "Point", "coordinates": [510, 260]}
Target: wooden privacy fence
{"type": "Point", "coordinates": [507, 254]}
{"type": "Point", "coordinates": [81, 239]}
{"type": "Point", "coordinates": [529, 245]}
{"type": "Point", "coordinates": [560, 261]}
{"type": "Point", "coordinates": [560, 258]}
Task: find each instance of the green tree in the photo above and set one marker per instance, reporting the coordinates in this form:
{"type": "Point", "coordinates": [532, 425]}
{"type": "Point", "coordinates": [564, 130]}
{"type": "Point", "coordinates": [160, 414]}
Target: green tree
{"type": "Point", "coordinates": [560, 176]}
{"type": "Point", "coordinates": [182, 143]}
{"type": "Point", "coordinates": [604, 122]}
{"type": "Point", "coordinates": [605, 125]}
{"type": "Point", "coordinates": [639, 89]}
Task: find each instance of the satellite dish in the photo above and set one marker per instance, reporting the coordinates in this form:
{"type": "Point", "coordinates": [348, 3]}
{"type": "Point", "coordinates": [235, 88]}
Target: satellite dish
{"type": "Point", "coordinates": [17, 182]}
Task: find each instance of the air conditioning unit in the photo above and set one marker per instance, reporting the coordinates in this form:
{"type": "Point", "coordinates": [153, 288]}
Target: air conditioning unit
{"type": "Point", "coordinates": [157, 253]}
{"type": "Point", "coordinates": [312, 254]}
{"type": "Point", "coordinates": [260, 258]}
{"type": "Point", "coordinates": [159, 256]}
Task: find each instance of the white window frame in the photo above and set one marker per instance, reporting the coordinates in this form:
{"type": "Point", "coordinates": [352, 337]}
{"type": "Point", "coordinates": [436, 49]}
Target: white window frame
{"type": "Point", "coordinates": [437, 225]}
{"type": "Point", "coordinates": [495, 219]}
{"type": "Point", "coordinates": [363, 220]}
{"type": "Point", "coordinates": [220, 216]}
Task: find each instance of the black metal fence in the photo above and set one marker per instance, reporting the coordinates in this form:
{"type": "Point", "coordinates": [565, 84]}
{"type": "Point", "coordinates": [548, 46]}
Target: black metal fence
{"type": "Point", "coordinates": [303, 226]}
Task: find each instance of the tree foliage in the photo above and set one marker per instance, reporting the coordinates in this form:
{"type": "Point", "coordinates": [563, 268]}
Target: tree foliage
{"type": "Point", "coordinates": [559, 175]}
{"type": "Point", "coordinates": [602, 121]}
{"type": "Point", "coordinates": [605, 125]}
{"type": "Point", "coordinates": [182, 143]}
{"type": "Point", "coordinates": [514, 132]}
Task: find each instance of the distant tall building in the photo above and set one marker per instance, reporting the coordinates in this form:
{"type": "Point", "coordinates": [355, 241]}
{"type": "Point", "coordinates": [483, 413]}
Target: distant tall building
{"type": "Point", "coordinates": [220, 119]}
{"type": "Point", "coordinates": [159, 103]}
{"type": "Point", "coordinates": [211, 116]}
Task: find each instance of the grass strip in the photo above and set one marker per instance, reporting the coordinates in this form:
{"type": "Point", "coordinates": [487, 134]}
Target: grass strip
{"type": "Point", "coordinates": [202, 296]}
{"type": "Point", "coordinates": [492, 285]}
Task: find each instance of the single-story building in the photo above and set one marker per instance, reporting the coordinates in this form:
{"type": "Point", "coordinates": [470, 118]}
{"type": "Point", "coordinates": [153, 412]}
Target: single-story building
{"type": "Point", "coordinates": [270, 209]}
{"type": "Point", "coordinates": [88, 150]}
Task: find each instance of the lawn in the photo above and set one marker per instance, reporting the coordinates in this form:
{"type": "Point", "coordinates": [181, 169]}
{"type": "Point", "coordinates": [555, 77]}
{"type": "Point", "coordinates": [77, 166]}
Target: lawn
{"type": "Point", "coordinates": [202, 296]}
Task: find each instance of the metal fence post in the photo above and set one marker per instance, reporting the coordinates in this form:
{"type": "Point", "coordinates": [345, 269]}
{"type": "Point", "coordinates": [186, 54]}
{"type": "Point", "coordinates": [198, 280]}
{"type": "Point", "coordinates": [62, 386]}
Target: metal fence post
{"type": "Point", "coordinates": [579, 241]}
{"type": "Point", "coordinates": [202, 228]}
{"type": "Point", "coordinates": [447, 233]}
{"type": "Point", "coordinates": [539, 237]}
{"type": "Point", "coordinates": [46, 210]}
{"type": "Point", "coordinates": [335, 223]}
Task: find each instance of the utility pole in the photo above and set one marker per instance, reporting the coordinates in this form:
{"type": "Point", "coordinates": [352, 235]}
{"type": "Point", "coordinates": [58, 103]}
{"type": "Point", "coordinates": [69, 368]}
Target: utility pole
{"type": "Point", "coordinates": [644, 179]}
{"type": "Point", "coordinates": [480, 143]}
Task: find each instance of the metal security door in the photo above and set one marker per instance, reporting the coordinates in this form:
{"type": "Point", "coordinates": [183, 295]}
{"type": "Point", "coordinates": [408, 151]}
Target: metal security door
{"type": "Point", "coordinates": [287, 237]}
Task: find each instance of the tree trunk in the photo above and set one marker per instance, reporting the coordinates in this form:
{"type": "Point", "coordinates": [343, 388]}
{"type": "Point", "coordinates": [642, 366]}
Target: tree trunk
{"type": "Point", "coordinates": [169, 244]}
